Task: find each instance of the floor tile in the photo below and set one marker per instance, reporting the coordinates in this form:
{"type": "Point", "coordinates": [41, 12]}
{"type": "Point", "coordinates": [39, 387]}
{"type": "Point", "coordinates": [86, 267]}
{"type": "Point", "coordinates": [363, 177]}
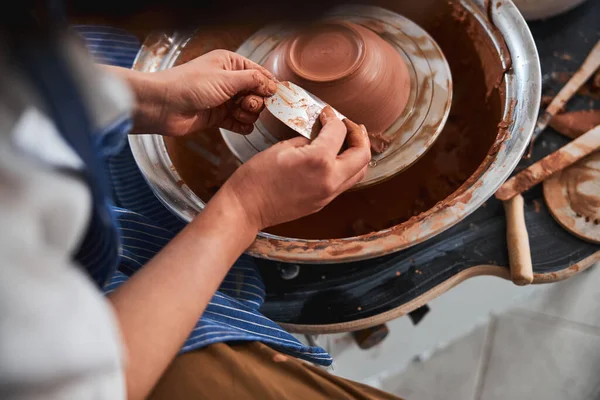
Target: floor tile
{"type": "Point", "coordinates": [450, 373]}
{"type": "Point", "coordinates": [576, 299]}
{"type": "Point", "coordinates": [452, 316]}
{"type": "Point", "coordinates": [532, 356]}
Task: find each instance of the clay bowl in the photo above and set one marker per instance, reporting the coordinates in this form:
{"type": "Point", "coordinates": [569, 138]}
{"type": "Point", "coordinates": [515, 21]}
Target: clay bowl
{"type": "Point", "coordinates": [345, 65]}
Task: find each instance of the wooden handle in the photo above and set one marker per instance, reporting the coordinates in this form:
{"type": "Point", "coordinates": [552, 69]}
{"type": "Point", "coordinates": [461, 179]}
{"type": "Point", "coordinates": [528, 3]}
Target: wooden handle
{"type": "Point", "coordinates": [587, 69]}
{"type": "Point", "coordinates": [589, 66]}
{"type": "Point", "coordinates": [557, 161]}
{"type": "Point", "coordinates": [519, 254]}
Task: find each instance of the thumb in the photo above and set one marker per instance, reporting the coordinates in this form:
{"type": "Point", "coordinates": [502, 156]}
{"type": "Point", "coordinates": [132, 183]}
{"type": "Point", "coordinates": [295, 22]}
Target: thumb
{"type": "Point", "coordinates": [252, 80]}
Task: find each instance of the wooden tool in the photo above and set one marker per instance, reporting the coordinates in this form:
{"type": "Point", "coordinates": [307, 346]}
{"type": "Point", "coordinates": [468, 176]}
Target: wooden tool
{"type": "Point", "coordinates": [573, 198]}
{"type": "Point", "coordinates": [585, 72]}
{"type": "Point", "coordinates": [519, 254]}
{"type": "Point", "coordinates": [560, 159]}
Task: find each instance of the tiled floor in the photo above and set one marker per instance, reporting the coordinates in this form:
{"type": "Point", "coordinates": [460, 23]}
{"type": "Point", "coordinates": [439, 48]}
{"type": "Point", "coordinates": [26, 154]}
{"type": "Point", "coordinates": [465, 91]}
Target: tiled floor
{"type": "Point", "coordinates": [452, 315]}
{"type": "Point", "coordinates": [546, 348]}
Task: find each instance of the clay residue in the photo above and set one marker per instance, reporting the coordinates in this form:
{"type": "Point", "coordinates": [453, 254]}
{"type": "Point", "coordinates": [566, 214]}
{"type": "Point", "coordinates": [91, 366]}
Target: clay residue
{"type": "Point", "coordinates": [563, 56]}
{"type": "Point", "coordinates": [379, 142]}
{"type": "Point", "coordinates": [582, 183]}
{"type": "Point", "coordinates": [576, 123]}
{"type": "Point", "coordinates": [573, 198]}
{"type": "Point", "coordinates": [500, 38]}
{"type": "Point", "coordinates": [252, 103]}
{"type": "Point", "coordinates": [457, 158]}
{"type": "Point", "coordinates": [542, 170]}
{"type": "Point", "coordinates": [583, 191]}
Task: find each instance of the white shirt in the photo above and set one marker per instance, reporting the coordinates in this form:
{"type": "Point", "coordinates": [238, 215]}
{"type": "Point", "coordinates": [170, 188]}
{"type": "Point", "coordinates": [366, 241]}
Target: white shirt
{"type": "Point", "coordinates": [59, 338]}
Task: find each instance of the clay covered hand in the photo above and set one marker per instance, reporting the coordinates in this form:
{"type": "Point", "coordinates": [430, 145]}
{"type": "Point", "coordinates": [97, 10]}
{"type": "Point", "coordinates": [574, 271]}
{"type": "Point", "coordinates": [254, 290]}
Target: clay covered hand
{"type": "Point", "coordinates": [297, 177]}
{"type": "Point", "coordinates": [220, 89]}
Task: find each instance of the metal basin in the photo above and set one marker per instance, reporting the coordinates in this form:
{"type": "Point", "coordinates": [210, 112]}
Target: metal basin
{"type": "Point", "coordinates": [522, 87]}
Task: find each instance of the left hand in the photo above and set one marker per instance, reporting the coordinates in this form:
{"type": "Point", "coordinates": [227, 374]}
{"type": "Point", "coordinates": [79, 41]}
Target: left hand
{"type": "Point", "coordinates": [220, 89]}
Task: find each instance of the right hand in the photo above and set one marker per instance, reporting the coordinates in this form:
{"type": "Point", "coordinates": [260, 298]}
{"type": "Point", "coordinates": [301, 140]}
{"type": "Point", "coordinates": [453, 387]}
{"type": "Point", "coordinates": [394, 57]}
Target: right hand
{"type": "Point", "coordinates": [297, 177]}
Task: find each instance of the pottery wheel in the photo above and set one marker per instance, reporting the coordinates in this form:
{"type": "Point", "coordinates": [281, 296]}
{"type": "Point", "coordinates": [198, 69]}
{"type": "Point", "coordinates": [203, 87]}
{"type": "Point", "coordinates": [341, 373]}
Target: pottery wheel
{"type": "Point", "coordinates": [424, 116]}
{"type": "Point", "coordinates": [573, 197]}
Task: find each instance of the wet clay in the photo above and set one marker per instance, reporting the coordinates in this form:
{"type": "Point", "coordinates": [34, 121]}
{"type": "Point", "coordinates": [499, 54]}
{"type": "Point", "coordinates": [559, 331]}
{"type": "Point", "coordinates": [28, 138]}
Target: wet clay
{"type": "Point", "coordinates": [573, 197]}
{"type": "Point", "coordinates": [448, 167]}
{"type": "Point", "coordinates": [583, 188]}
{"type": "Point", "coordinates": [349, 67]}
{"type": "Point", "coordinates": [576, 123]}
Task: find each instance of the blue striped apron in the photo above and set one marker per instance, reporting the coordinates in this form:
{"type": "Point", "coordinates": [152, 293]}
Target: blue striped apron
{"type": "Point", "coordinates": [143, 226]}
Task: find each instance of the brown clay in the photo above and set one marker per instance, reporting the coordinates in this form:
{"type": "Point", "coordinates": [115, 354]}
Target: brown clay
{"type": "Point", "coordinates": [583, 190]}
{"type": "Point", "coordinates": [348, 66]}
{"type": "Point", "coordinates": [573, 197]}
{"type": "Point", "coordinates": [463, 149]}
{"type": "Point", "coordinates": [576, 123]}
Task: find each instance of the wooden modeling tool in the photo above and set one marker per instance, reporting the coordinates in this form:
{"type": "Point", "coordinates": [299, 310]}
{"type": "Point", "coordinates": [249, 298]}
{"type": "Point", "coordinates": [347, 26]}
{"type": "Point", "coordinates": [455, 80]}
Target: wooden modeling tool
{"type": "Point", "coordinates": [519, 254]}
{"type": "Point", "coordinates": [585, 72]}
{"type": "Point", "coordinates": [560, 159]}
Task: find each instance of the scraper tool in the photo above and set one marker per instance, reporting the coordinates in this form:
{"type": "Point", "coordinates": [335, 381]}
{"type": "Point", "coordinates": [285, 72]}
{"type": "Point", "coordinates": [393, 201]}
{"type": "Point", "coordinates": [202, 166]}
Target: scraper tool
{"type": "Point", "coordinates": [297, 108]}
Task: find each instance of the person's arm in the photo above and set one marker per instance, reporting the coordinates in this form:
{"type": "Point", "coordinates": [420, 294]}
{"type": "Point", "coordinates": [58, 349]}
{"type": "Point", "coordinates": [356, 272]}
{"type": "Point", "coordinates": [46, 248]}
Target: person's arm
{"type": "Point", "coordinates": [149, 98]}
{"type": "Point", "coordinates": [219, 89]}
{"type": "Point", "coordinates": [159, 305]}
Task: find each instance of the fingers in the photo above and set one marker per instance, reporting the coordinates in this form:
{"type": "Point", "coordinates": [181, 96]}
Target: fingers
{"type": "Point", "coordinates": [239, 63]}
{"type": "Point", "coordinates": [332, 135]}
{"type": "Point", "coordinates": [254, 81]}
{"type": "Point", "coordinates": [298, 141]}
{"type": "Point", "coordinates": [351, 165]}
{"type": "Point", "coordinates": [236, 126]}
{"type": "Point", "coordinates": [358, 154]}
{"type": "Point", "coordinates": [359, 176]}
{"type": "Point", "coordinates": [252, 103]}
{"type": "Point", "coordinates": [231, 61]}
{"type": "Point", "coordinates": [244, 117]}
{"type": "Point", "coordinates": [357, 135]}
{"type": "Point", "coordinates": [247, 109]}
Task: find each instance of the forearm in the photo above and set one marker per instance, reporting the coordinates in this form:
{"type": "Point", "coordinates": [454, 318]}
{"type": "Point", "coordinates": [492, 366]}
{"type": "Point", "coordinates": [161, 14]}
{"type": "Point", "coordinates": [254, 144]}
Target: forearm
{"type": "Point", "coordinates": [159, 306]}
{"type": "Point", "coordinates": [149, 94]}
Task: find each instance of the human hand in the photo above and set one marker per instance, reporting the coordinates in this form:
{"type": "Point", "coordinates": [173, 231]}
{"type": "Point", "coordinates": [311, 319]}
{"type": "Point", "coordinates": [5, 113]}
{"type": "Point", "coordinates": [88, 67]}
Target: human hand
{"type": "Point", "coordinates": [218, 89]}
{"type": "Point", "coordinates": [297, 177]}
